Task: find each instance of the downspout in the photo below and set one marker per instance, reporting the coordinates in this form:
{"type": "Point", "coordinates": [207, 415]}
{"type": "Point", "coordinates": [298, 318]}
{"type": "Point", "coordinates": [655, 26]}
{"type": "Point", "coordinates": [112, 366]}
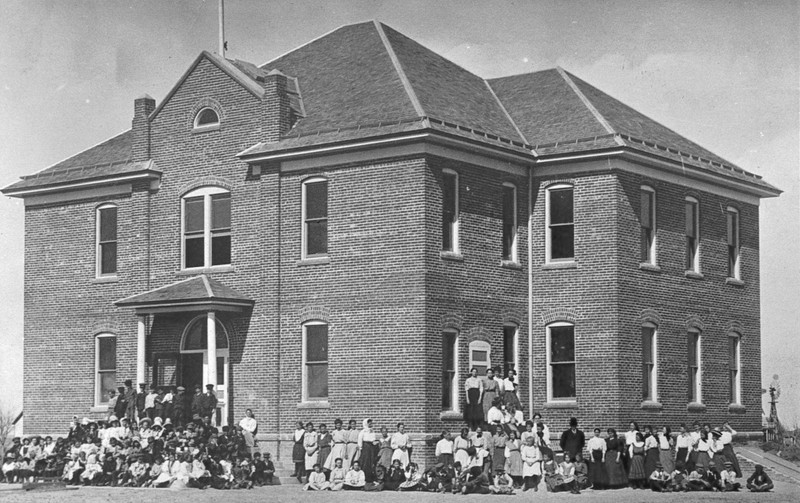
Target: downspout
{"type": "Point", "coordinates": [530, 292]}
{"type": "Point", "coordinates": [278, 316]}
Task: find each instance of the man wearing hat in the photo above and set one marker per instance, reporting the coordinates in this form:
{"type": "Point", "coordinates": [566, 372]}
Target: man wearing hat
{"type": "Point", "coordinates": [573, 439]}
{"type": "Point", "coordinates": [659, 479]}
{"type": "Point", "coordinates": [121, 405]}
{"type": "Point", "coordinates": [197, 401]}
{"type": "Point", "coordinates": [179, 408]}
{"type": "Point", "coordinates": [209, 402]}
{"type": "Point", "coordinates": [130, 401]}
{"type": "Point", "coordinates": [728, 478]}
{"type": "Point", "coordinates": [141, 396]}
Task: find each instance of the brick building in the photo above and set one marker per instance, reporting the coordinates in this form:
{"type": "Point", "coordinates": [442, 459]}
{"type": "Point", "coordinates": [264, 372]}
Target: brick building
{"type": "Point", "coordinates": [345, 230]}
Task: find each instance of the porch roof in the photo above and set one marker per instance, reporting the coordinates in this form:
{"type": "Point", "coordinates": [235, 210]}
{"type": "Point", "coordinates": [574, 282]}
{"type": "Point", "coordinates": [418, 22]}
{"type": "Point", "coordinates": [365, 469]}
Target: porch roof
{"type": "Point", "coordinates": [199, 293]}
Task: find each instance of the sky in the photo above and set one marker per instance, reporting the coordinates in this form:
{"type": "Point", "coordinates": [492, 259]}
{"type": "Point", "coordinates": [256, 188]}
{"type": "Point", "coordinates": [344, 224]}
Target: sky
{"type": "Point", "coordinates": [725, 74]}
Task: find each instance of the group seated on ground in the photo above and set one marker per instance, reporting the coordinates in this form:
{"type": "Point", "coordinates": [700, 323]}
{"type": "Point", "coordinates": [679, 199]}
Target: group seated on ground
{"type": "Point", "coordinates": [150, 454]}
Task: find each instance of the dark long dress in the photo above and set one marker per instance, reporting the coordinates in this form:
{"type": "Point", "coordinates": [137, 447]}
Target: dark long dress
{"type": "Point", "coordinates": [615, 472]}
{"type": "Point", "coordinates": [368, 460]}
{"type": "Point", "coordinates": [651, 459]}
{"type": "Point", "coordinates": [597, 469]}
{"type": "Point", "coordinates": [473, 413]}
{"type": "Point", "coordinates": [324, 444]}
{"type": "Point", "coordinates": [299, 450]}
{"type": "Point", "coordinates": [731, 456]}
{"type": "Point", "coordinates": [636, 471]}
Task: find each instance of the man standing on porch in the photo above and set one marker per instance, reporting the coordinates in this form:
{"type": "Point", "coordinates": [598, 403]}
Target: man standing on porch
{"type": "Point", "coordinates": [197, 402]}
{"type": "Point", "coordinates": [130, 399]}
{"type": "Point", "coordinates": [209, 402]}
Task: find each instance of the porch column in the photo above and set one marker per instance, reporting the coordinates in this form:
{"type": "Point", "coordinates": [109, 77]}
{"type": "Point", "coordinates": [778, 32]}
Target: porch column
{"type": "Point", "coordinates": [140, 349]}
{"type": "Point", "coordinates": [212, 349]}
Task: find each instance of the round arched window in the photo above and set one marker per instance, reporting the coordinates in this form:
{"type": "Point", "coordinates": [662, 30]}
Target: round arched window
{"type": "Point", "coordinates": [195, 337]}
{"type": "Point", "coordinates": [205, 118]}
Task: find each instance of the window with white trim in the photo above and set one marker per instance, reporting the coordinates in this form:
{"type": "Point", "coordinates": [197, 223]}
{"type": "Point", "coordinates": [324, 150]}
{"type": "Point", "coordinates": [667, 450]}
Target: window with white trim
{"type": "Point", "coordinates": [561, 377]}
{"type": "Point", "coordinates": [315, 218]}
{"type": "Point", "coordinates": [510, 348]}
{"type": "Point", "coordinates": [206, 117]}
{"type": "Point", "coordinates": [206, 228]}
{"type": "Point", "coordinates": [649, 363]}
{"type": "Point", "coordinates": [105, 367]}
{"type": "Point", "coordinates": [106, 240]}
{"type": "Point", "coordinates": [509, 223]}
{"type": "Point", "coordinates": [450, 211]}
{"type": "Point", "coordinates": [450, 370]}
{"type": "Point", "coordinates": [560, 236]}
{"type": "Point", "coordinates": [480, 356]}
{"type": "Point", "coordinates": [732, 220]}
{"type": "Point", "coordinates": [315, 361]}
{"type": "Point", "coordinates": [648, 225]}
{"type": "Point", "coordinates": [692, 262]}
{"type": "Point", "coordinates": [695, 370]}
{"type": "Point", "coordinates": [734, 361]}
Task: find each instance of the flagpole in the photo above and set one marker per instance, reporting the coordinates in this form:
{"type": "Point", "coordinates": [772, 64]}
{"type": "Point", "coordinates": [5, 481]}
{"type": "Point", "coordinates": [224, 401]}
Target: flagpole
{"type": "Point", "coordinates": [222, 28]}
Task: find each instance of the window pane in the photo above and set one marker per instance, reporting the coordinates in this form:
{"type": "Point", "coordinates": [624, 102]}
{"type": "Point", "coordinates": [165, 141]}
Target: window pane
{"type": "Point", "coordinates": [108, 382]}
{"type": "Point", "coordinates": [509, 339]}
{"type": "Point", "coordinates": [509, 195]}
{"type": "Point", "coordinates": [317, 200]}
{"type": "Point", "coordinates": [447, 390]}
{"type": "Point", "coordinates": [316, 343]}
{"type": "Point", "coordinates": [479, 356]}
{"type": "Point", "coordinates": [207, 117]}
{"type": "Point", "coordinates": [220, 370]}
{"type": "Point", "coordinates": [480, 368]}
{"type": "Point", "coordinates": [447, 232]}
{"type": "Point", "coordinates": [733, 225]}
{"type": "Point", "coordinates": [317, 238]}
{"type": "Point", "coordinates": [562, 242]}
{"type": "Point", "coordinates": [448, 351]}
{"type": "Point", "coordinates": [193, 212]}
{"type": "Point", "coordinates": [692, 350]}
{"type": "Point", "coordinates": [194, 252]}
{"type": "Point", "coordinates": [108, 224]}
{"type": "Point", "coordinates": [561, 206]}
{"type": "Point", "coordinates": [317, 380]}
{"type": "Point", "coordinates": [647, 208]}
{"type": "Point", "coordinates": [733, 351]}
{"type": "Point", "coordinates": [647, 345]}
{"type": "Point", "coordinates": [166, 370]}
{"type": "Point", "coordinates": [692, 385]}
{"type": "Point", "coordinates": [691, 221]}
{"type": "Point", "coordinates": [646, 243]}
{"type": "Point", "coordinates": [449, 209]}
{"type": "Point", "coordinates": [107, 349]}
{"type": "Point", "coordinates": [645, 381]}
{"type": "Point", "coordinates": [564, 380]}
{"type": "Point", "coordinates": [221, 211]}
{"type": "Point", "coordinates": [562, 342]}
{"type": "Point", "coordinates": [108, 258]}
{"type": "Point", "coordinates": [220, 250]}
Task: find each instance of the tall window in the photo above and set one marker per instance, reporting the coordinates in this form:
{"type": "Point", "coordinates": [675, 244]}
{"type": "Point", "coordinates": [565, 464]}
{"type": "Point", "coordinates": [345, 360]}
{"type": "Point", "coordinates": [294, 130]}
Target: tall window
{"type": "Point", "coordinates": [733, 368]}
{"type": "Point", "coordinates": [480, 356]}
{"type": "Point", "coordinates": [449, 370]}
{"type": "Point", "coordinates": [648, 222]}
{"type": "Point", "coordinates": [509, 222]}
{"type": "Point", "coordinates": [732, 216]}
{"type": "Point", "coordinates": [561, 362]}
{"type": "Point", "coordinates": [106, 233]}
{"type": "Point", "coordinates": [207, 227]}
{"type": "Point", "coordinates": [649, 358]}
{"type": "Point", "coordinates": [509, 348]}
{"type": "Point", "coordinates": [692, 235]}
{"type": "Point", "coordinates": [106, 367]}
{"type": "Point", "coordinates": [695, 374]}
{"type": "Point", "coordinates": [315, 217]}
{"type": "Point", "coordinates": [560, 223]}
{"type": "Point", "coordinates": [450, 211]}
{"type": "Point", "coordinates": [315, 361]}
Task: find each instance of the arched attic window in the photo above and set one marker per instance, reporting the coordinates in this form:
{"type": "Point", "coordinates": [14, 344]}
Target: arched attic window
{"type": "Point", "coordinates": [205, 118]}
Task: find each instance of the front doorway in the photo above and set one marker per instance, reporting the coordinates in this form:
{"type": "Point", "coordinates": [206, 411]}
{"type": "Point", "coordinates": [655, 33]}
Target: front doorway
{"type": "Point", "coordinates": [194, 362]}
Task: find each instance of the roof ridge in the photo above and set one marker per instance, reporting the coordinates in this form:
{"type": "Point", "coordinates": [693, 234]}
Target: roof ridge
{"type": "Point", "coordinates": [77, 153]}
{"type": "Point", "coordinates": [309, 42]}
{"type": "Point", "coordinates": [588, 104]}
{"type": "Point", "coordinates": [412, 95]}
{"type": "Point", "coordinates": [505, 111]}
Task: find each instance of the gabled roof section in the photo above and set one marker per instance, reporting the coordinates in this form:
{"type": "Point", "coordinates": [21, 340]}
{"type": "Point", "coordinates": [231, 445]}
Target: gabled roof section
{"type": "Point", "coordinates": [198, 289]}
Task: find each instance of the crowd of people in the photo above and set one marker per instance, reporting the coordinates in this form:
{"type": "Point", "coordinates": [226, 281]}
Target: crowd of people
{"type": "Point", "coordinates": [171, 441]}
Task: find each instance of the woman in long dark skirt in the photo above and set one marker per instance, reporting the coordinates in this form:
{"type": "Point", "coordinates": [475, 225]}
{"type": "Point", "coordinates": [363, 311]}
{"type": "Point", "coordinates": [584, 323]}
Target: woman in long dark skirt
{"type": "Point", "coordinates": [683, 446]}
{"type": "Point", "coordinates": [650, 451]}
{"type": "Point", "coordinates": [636, 474]}
{"type": "Point", "coordinates": [727, 449]}
{"type": "Point", "coordinates": [473, 387]}
{"type": "Point", "coordinates": [299, 451]}
{"type": "Point", "coordinates": [597, 461]}
{"type": "Point", "coordinates": [616, 477]}
{"type": "Point", "coordinates": [367, 446]}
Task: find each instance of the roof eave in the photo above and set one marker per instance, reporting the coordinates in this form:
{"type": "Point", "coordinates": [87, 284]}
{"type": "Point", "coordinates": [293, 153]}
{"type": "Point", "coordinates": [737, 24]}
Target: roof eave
{"type": "Point", "coordinates": [98, 181]}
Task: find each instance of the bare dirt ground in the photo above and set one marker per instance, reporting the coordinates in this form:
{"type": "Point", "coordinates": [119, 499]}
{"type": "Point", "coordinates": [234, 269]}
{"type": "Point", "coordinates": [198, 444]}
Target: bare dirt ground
{"type": "Point", "coordinates": [784, 492]}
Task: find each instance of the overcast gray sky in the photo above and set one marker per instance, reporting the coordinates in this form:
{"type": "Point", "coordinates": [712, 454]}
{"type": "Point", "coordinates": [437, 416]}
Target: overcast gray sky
{"type": "Point", "coordinates": [722, 73]}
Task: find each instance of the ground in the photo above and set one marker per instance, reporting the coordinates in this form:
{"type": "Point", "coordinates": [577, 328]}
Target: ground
{"type": "Point", "coordinates": [784, 492]}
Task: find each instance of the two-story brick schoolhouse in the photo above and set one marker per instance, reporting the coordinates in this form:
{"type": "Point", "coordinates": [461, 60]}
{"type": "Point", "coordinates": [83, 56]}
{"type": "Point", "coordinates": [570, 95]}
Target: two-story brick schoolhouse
{"type": "Point", "coordinates": [346, 230]}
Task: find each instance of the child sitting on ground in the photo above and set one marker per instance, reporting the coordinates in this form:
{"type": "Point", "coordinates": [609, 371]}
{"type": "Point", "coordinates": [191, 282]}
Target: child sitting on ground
{"type": "Point", "coordinates": [759, 481]}
{"type": "Point", "coordinates": [503, 484]}
{"type": "Point", "coordinates": [316, 480]}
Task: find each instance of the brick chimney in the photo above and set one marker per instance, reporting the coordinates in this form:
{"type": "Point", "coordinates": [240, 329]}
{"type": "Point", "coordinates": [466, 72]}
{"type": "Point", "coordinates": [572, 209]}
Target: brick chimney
{"type": "Point", "coordinates": [142, 108]}
{"type": "Point", "coordinates": [278, 117]}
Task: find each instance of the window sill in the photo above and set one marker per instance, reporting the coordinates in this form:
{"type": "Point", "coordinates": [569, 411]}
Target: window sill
{"type": "Point", "coordinates": [696, 407]}
{"type": "Point", "coordinates": [734, 282]}
{"type": "Point", "coordinates": [571, 264]}
{"type": "Point", "coordinates": [105, 279]}
{"type": "Point", "coordinates": [566, 404]}
{"type": "Point", "coordinates": [206, 270]}
{"type": "Point", "coordinates": [314, 261]}
{"type": "Point", "coordinates": [647, 266]}
{"type": "Point", "coordinates": [510, 264]}
{"type": "Point", "coordinates": [451, 415]}
{"type": "Point", "coordinates": [99, 408]}
{"type": "Point", "coordinates": [649, 404]}
{"type": "Point", "coordinates": [693, 275]}
{"type": "Point", "coordinates": [322, 404]}
{"type": "Point", "coordinates": [205, 129]}
{"type": "Point", "coordinates": [736, 408]}
{"type": "Point", "coordinates": [449, 255]}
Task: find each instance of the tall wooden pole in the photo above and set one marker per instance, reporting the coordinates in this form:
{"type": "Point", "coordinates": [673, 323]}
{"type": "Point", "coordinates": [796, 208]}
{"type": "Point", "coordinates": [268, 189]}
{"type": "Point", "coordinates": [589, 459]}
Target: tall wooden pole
{"type": "Point", "coordinates": [222, 28]}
